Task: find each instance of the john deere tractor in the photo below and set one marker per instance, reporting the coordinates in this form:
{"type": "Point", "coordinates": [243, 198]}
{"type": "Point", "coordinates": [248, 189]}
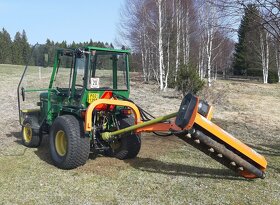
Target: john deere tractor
{"type": "Point", "coordinates": [85, 109]}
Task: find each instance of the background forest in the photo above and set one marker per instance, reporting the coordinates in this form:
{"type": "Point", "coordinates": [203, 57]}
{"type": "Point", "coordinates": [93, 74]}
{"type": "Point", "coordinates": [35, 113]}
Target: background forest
{"type": "Point", "coordinates": [179, 40]}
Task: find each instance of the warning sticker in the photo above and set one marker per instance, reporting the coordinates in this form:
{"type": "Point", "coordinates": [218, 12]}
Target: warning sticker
{"type": "Point", "coordinates": [94, 83]}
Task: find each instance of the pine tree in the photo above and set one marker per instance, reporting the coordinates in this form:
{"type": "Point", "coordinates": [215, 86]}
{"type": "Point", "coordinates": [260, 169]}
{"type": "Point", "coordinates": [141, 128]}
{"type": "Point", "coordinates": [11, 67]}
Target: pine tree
{"type": "Point", "coordinates": [50, 52]}
{"type": "Point", "coordinates": [246, 55]}
{"type": "Point", "coordinates": [20, 49]}
{"type": "Point", "coordinates": [17, 50]}
{"type": "Point", "coordinates": [25, 48]}
{"type": "Point", "coordinates": [91, 43]}
{"type": "Point", "coordinates": [5, 47]}
{"type": "Point", "coordinates": [240, 65]}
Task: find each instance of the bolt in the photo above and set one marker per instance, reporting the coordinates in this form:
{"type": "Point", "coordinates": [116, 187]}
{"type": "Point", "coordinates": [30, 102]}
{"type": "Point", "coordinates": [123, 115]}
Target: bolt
{"type": "Point", "coordinates": [233, 164]}
{"type": "Point", "coordinates": [211, 150]}
{"type": "Point", "coordinates": [220, 155]}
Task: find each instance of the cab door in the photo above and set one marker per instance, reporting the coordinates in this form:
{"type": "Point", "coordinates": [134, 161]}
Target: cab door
{"type": "Point", "coordinates": [59, 94]}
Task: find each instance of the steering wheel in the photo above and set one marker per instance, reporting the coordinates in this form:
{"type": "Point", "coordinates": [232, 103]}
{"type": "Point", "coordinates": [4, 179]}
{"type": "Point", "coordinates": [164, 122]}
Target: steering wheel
{"type": "Point", "coordinates": [56, 90]}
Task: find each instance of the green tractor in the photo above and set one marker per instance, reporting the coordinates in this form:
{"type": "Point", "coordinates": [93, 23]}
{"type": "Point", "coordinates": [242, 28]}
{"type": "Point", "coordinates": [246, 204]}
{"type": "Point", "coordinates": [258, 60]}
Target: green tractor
{"type": "Point", "coordinates": [78, 78]}
{"type": "Point", "coordinates": [84, 109]}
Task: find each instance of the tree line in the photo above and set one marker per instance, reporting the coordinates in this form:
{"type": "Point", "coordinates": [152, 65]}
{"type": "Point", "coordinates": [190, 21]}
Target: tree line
{"type": "Point", "coordinates": [18, 50]}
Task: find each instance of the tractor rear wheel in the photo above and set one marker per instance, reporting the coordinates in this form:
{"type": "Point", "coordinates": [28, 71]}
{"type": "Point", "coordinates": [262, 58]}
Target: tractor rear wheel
{"type": "Point", "coordinates": [69, 147]}
{"type": "Point", "coordinates": [128, 146]}
{"type": "Point", "coordinates": [30, 135]}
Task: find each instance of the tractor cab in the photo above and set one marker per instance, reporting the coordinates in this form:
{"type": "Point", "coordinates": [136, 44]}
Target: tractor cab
{"type": "Point", "coordinates": [78, 78]}
{"type": "Point", "coordinates": [82, 75]}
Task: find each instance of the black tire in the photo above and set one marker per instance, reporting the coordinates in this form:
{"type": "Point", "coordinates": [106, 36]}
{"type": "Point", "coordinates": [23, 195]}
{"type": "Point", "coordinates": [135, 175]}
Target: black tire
{"type": "Point", "coordinates": [128, 146]}
{"type": "Point", "coordinates": [30, 136]}
{"type": "Point", "coordinates": [69, 147]}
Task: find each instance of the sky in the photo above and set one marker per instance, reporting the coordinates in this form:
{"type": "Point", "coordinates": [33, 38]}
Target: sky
{"type": "Point", "coordinates": [60, 20]}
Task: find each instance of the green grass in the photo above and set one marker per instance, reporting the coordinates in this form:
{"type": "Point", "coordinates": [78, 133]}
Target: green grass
{"type": "Point", "coordinates": [167, 171]}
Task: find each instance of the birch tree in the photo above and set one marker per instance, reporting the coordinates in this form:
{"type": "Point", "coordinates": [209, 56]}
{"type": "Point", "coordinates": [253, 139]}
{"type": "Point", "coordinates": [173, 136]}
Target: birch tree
{"type": "Point", "coordinates": [160, 43]}
{"type": "Point", "coordinates": [209, 45]}
{"type": "Point", "coordinates": [201, 58]}
{"type": "Point", "coordinates": [264, 55]}
{"type": "Point", "coordinates": [187, 5]}
{"type": "Point", "coordinates": [277, 59]}
{"type": "Point", "coordinates": [208, 23]}
{"type": "Point", "coordinates": [178, 36]}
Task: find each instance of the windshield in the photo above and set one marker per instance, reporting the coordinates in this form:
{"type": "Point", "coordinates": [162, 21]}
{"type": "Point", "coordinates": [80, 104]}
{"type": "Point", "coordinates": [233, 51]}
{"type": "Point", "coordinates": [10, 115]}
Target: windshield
{"type": "Point", "coordinates": [66, 75]}
{"type": "Point", "coordinates": [108, 70]}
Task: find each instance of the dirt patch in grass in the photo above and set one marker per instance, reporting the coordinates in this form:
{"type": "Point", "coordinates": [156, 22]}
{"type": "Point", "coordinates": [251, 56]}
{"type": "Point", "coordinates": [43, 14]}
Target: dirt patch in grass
{"type": "Point", "coordinates": [152, 147]}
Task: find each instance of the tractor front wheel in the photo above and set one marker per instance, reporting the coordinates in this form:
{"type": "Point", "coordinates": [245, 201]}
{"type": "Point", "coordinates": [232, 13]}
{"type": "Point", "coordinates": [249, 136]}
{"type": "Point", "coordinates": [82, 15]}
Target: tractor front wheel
{"type": "Point", "coordinates": [69, 147]}
{"type": "Point", "coordinates": [30, 136]}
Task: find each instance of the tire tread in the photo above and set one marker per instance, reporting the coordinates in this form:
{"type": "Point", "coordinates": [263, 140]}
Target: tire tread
{"type": "Point", "coordinates": [78, 146]}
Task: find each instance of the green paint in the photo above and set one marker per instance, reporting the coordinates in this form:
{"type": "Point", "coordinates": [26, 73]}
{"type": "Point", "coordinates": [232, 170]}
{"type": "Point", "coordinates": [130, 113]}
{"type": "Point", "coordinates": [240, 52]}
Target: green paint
{"type": "Point", "coordinates": [107, 49]}
{"type": "Point", "coordinates": [127, 72]}
{"type": "Point", "coordinates": [115, 71]}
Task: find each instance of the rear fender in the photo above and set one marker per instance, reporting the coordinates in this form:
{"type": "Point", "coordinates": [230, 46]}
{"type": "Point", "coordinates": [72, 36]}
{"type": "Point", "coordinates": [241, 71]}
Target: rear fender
{"type": "Point", "coordinates": [92, 106]}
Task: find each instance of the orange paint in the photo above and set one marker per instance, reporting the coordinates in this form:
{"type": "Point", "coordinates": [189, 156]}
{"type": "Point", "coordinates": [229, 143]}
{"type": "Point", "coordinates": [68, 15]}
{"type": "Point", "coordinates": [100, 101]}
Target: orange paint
{"type": "Point", "coordinates": [159, 127]}
{"type": "Point", "coordinates": [106, 95]}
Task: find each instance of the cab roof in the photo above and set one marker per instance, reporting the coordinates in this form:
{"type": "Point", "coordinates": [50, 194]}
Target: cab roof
{"type": "Point", "coordinates": [106, 49]}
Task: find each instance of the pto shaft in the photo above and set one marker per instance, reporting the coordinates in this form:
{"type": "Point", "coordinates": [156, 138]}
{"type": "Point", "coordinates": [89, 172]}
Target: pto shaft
{"type": "Point", "coordinates": [108, 135]}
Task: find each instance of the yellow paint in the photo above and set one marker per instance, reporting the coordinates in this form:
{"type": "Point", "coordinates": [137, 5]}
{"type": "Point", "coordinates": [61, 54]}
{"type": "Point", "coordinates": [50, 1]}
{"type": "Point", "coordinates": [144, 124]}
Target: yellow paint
{"type": "Point", "coordinates": [61, 143]}
{"type": "Point", "coordinates": [210, 113]}
{"type": "Point", "coordinates": [30, 110]}
{"type": "Point", "coordinates": [88, 117]}
{"type": "Point", "coordinates": [27, 133]}
{"type": "Point", "coordinates": [230, 140]}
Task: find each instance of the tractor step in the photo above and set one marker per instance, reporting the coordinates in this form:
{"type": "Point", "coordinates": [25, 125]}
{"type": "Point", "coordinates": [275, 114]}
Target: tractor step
{"type": "Point", "coordinates": [221, 154]}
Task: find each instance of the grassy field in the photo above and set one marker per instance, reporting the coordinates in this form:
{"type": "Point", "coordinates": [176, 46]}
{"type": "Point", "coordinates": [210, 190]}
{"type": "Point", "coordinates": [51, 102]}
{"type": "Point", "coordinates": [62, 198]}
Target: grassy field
{"type": "Point", "coordinates": [167, 171]}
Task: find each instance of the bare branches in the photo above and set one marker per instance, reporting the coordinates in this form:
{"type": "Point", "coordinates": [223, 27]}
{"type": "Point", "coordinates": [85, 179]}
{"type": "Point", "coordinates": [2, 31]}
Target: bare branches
{"type": "Point", "coordinates": [270, 12]}
{"type": "Point", "coordinates": [168, 34]}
